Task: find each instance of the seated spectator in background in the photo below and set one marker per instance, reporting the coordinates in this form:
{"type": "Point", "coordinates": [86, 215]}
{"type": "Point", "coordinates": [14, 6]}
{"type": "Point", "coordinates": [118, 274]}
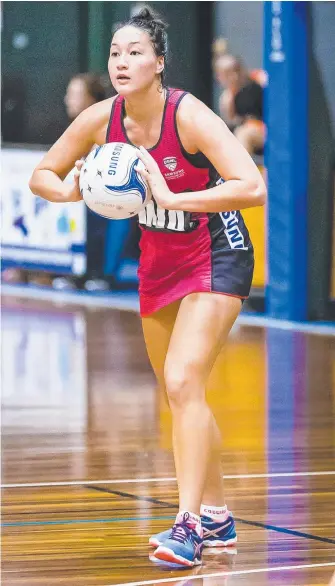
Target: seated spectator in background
{"type": "Point", "coordinates": [241, 103]}
{"type": "Point", "coordinates": [219, 48]}
{"type": "Point", "coordinates": [83, 90]}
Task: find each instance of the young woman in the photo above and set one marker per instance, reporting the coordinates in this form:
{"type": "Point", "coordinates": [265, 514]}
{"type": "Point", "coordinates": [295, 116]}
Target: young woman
{"type": "Point", "coordinates": [196, 261]}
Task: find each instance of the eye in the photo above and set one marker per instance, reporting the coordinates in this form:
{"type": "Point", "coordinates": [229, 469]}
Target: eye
{"type": "Point", "coordinates": [114, 54]}
{"type": "Point", "coordinates": [135, 52]}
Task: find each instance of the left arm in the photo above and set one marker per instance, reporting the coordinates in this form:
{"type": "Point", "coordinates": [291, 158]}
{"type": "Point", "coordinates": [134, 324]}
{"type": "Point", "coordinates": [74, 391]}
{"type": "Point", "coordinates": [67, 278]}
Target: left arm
{"type": "Point", "coordinates": [244, 186]}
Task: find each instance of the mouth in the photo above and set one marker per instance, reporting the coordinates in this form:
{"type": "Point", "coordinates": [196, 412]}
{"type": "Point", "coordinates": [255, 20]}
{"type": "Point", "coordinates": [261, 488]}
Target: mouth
{"type": "Point", "coordinates": [122, 77]}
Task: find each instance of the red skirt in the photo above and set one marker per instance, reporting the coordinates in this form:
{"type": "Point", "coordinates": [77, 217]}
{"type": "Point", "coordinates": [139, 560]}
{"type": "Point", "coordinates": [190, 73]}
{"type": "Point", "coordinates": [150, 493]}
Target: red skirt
{"type": "Point", "coordinates": [173, 265]}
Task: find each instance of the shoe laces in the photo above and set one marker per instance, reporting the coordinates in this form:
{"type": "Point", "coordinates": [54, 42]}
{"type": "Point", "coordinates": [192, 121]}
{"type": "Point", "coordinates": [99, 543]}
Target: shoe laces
{"type": "Point", "coordinates": [181, 531]}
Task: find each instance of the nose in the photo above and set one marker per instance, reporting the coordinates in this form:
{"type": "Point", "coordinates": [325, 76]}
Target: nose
{"type": "Point", "coordinates": [122, 62]}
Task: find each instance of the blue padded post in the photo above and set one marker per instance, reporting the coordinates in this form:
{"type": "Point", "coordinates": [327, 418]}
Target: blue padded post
{"type": "Point", "coordinates": [286, 157]}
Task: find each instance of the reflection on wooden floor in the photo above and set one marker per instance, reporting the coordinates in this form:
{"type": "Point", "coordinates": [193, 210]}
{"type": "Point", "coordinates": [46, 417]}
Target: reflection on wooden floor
{"type": "Point", "coordinates": [87, 464]}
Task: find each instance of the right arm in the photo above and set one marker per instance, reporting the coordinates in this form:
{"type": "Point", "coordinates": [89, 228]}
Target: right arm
{"type": "Point", "coordinates": [88, 128]}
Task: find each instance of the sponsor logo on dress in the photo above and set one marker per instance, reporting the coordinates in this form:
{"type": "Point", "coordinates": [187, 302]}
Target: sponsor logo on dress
{"type": "Point", "coordinates": [170, 163]}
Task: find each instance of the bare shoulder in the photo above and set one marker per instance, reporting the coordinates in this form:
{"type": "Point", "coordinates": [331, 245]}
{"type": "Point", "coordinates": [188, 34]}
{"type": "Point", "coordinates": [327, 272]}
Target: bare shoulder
{"type": "Point", "coordinates": [200, 129]}
{"type": "Point", "coordinates": [194, 118]}
{"type": "Point", "coordinates": [191, 108]}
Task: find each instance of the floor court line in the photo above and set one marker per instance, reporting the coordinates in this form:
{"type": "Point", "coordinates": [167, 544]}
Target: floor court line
{"type": "Point", "coordinates": [83, 521]}
{"type": "Point", "coordinates": [227, 573]}
{"type": "Point", "coordinates": [266, 526]}
{"type": "Point", "coordinates": [162, 479]}
{"type": "Point", "coordinates": [161, 503]}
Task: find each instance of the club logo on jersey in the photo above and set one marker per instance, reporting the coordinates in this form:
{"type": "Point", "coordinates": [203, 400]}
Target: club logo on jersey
{"type": "Point", "coordinates": [170, 163]}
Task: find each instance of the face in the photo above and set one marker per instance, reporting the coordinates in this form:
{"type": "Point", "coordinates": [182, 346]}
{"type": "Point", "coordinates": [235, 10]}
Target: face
{"type": "Point", "coordinates": [133, 65]}
{"type": "Point", "coordinates": [226, 76]}
{"type": "Point", "coordinates": [77, 98]}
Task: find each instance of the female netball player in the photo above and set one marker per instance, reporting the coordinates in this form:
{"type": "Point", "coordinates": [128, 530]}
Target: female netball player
{"type": "Point", "coordinates": [196, 261]}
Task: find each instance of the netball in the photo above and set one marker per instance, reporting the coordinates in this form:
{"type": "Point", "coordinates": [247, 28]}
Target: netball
{"type": "Point", "coordinates": [110, 184]}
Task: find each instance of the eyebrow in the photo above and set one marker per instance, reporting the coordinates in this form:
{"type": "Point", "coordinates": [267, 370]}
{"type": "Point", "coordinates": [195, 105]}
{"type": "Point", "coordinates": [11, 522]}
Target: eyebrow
{"type": "Point", "coordinates": [132, 43]}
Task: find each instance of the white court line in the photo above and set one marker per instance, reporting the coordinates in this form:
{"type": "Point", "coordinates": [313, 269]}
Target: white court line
{"type": "Point", "coordinates": [245, 319]}
{"type": "Point", "coordinates": [166, 479]}
{"type": "Point", "coordinates": [130, 303]}
{"type": "Point", "coordinates": [227, 573]}
{"type": "Point", "coordinates": [114, 301]}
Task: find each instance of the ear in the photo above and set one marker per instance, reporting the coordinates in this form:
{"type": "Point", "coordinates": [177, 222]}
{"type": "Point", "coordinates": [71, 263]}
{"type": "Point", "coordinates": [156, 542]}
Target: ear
{"type": "Point", "coordinates": [160, 64]}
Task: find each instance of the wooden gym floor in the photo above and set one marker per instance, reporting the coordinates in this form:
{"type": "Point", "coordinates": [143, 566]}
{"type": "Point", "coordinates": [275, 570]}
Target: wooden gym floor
{"type": "Point", "coordinates": [87, 469]}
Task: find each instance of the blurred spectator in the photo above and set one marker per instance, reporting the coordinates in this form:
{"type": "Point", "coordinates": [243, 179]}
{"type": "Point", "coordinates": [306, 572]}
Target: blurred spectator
{"type": "Point", "coordinates": [241, 103]}
{"type": "Point", "coordinates": [82, 91]}
{"type": "Point", "coordinates": [219, 48]}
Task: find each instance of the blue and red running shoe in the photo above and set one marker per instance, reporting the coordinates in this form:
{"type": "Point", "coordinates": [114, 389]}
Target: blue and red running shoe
{"type": "Point", "coordinates": [216, 534]}
{"type": "Point", "coordinates": [183, 547]}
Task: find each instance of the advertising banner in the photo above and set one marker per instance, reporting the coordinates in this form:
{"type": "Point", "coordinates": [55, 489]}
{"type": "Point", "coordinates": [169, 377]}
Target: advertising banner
{"type": "Point", "coordinates": [37, 234]}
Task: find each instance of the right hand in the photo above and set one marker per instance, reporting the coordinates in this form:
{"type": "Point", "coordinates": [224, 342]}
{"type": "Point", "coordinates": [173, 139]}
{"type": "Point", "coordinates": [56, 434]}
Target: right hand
{"type": "Point", "coordinates": [73, 191]}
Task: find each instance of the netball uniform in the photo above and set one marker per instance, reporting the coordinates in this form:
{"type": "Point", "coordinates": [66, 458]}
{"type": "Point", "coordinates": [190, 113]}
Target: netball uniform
{"type": "Point", "coordinates": [183, 252]}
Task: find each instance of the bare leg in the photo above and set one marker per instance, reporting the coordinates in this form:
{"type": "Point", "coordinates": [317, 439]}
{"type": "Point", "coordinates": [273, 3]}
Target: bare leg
{"type": "Point", "coordinates": [201, 328]}
{"type": "Point", "coordinates": [157, 331]}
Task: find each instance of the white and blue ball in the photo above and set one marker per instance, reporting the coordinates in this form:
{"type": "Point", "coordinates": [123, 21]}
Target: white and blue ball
{"type": "Point", "coordinates": [110, 184]}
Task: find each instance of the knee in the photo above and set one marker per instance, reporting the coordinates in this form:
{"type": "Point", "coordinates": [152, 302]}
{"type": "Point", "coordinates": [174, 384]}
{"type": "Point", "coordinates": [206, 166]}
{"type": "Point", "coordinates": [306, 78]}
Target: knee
{"type": "Point", "coordinates": [181, 385]}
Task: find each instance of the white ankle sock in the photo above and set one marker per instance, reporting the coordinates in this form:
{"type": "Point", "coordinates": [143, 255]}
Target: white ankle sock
{"type": "Point", "coordinates": [219, 514]}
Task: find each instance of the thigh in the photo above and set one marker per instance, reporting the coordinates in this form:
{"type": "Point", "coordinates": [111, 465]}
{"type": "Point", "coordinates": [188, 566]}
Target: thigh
{"type": "Point", "coordinates": [157, 330]}
{"type": "Point", "coordinates": [201, 329]}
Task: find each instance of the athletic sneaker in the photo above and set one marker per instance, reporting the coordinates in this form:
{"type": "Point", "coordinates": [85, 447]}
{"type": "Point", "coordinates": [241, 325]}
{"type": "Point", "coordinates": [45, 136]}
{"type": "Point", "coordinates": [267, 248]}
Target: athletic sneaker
{"type": "Point", "coordinates": [215, 534]}
{"type": "Point", "coordinates": [184, 545]}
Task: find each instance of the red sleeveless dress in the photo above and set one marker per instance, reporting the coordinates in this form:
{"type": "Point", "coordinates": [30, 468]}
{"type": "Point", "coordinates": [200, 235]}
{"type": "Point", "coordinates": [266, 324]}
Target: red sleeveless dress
{"type": "Point", "coordinates": [183, 252]}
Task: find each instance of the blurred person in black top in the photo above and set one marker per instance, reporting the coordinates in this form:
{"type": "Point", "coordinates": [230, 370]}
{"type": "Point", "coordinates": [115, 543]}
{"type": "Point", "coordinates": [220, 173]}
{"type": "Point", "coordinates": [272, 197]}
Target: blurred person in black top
{"type": "Point", "coordinates": [241, 102]}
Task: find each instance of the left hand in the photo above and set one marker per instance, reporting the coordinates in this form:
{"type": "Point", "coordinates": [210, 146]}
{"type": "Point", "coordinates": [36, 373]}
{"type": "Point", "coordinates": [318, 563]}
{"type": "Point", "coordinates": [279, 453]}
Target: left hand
{"type": "Point", "coordinates": [159, 189]}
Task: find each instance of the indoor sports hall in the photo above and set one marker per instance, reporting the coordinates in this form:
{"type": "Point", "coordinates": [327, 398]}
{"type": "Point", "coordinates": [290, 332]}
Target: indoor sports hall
{"type": "Point", "coordinates": [88, 473]}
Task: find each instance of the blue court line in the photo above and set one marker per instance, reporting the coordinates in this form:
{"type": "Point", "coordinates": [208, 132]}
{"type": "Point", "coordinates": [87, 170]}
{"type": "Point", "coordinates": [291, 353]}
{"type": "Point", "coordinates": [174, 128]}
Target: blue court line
{"type": "Point", "coordinates": [163, 518]}
{"type": "Point", "coordinates": [77, 521]}
{"type": "Point", "coordinates": [131, 496]}
{"type": "Point", "coordinates": [244, 521]}
{"type": "Point", "coordinates": [286, 531]}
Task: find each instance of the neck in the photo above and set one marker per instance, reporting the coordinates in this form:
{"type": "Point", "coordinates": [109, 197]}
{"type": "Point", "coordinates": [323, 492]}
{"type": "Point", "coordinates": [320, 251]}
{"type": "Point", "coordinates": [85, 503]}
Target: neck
{"type": "Point", "coordinates": [144, 105]}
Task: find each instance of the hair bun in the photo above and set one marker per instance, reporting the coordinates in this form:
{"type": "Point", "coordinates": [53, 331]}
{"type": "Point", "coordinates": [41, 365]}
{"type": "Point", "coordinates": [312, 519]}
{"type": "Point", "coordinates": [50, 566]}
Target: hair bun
{"type": "Point", "coordinates": [148, 15]}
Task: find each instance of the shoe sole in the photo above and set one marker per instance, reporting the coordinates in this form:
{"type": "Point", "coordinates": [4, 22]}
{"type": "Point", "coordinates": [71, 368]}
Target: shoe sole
{"type": "Point", "coordinates": [207, 543]}
{"type": "Point", "coordinates": [220, 542]}
{"type": "Point", "coordinates": [168, 557]}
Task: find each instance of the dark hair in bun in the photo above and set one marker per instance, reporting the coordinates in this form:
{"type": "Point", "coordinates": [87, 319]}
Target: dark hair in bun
{"type": "Point", "coordinates": [148, 21]}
